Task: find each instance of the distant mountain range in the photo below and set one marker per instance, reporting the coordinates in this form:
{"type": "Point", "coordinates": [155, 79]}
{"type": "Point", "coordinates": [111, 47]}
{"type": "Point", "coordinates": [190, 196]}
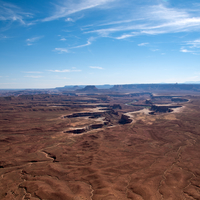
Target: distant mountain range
{"type": "Point", "coordinates": [134, 88]}
{"type": "Point", "coordinates": [156, 87]}
{"type": "Point", "coordinates": [73, 90]}
{"type": "Point", "coordinates": [77, 87]}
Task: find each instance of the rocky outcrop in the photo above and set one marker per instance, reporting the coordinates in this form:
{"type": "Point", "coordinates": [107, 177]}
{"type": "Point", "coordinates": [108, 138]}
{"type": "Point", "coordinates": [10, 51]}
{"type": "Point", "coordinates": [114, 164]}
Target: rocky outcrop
{"type": "Point", "coordinates": [162, 109]}
{"type": "Point", "coordinates": [96, 126]}
{"type": "Point", "coordinates": [148, 101]}
{"type": "Point", "coordinates": [179, 100]}
{"type": "Point", "coordinates": [116, 106]}
{"type": "Point", "coordinates": [88, 128]}
{"type": "Point", "coordinates": [77, 131]}
{"type": "Point", "coordinates": [92, 114]}
{"type": "Point", "coordinates": [89, 88]}
{"type": "Point", "coordinates": [125, 119]}
{"type": "Point", "coordinates": [85, 114]}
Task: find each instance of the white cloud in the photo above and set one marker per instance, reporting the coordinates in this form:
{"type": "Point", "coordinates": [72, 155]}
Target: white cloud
{"type": "Point", "coordinates": [64, 70]}
{"type": "Point", "coordinates": [57, 77]}
{"type": "Point", "coordinates": [164, 13]}
{"type": "Point", "coordinates": [69, 19]}
{"type": "Point", "coordinates": [10, 12]}
{"type": "Point", "coordinates": [33, 76]}
{"type": "Point", "coordinates": [125, 36]}
{"type": "Point", "coordinates": [33, 72]}
{"type": "Point", "coordinates": [61, 50]}
{"type": "Point", "coordinates": [83, 45]}
{"type": "Point", "coordinates": [64, 78]}
{"type": "Point", "coordinates": [152, 20]}
{"type": "Point", "coordinates": [95, 67]}
{"type": "Point", "coordinates": [191, 47]}
{"type": "Point", "coordinates": [143, 44]}
{"type": "Point", "coordinates": [194, 43]}
{"type": "Point", "coordinates": [69, 7]}
{"type": "Point", "coordinates": [64, 50]}
{"type": "Point", "coordinates": [62, 39]}
{"type": "Point", "coordinates": [121, 21]}
{"type": "Point", "coordinates": [89, 42]}
{"type": "Point", "coordinates": [183, 50]}
{"type": "Point", "coordinates": [31, 41]}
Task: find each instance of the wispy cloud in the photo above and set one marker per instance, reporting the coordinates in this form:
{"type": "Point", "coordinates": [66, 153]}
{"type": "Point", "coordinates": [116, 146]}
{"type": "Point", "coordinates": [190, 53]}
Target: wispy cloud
{"type": "Point", "coordinates": [96, 67]}
{"type": "Point", "coordinates": [155, 50]}
{"type": "Point", "coordinates": [152, 20]}
{"type": "Point", "coordinates": [194, 43]}
{"type": "Point", "coordinates": [65, 78]}
{"type": "Point", "coordinates": [61, 50]}
{"type": "Point", "coordinates": [124, 36]}
{"type": "Point", "coordinates": [33, 72]}
{"type": "Point", "coordinates": [65, 50]}
{"type": "Point", "coordinates": [143, 44]}
{"type": "Point", "coordinates": [83, 45]}
{"type": "Point", "coordinates": [89, 42]}
{"type": "Point", "coordinates": [69, 19]}
{"type": "Point", "coordinates": [75, 18]}
{"type": "Point", "coordinates": [10, 12]}
{"type": "Point", "coordinates": [62, 38]}
{"type": "Point", "coordinates": [33, 76]}
{"type": "Point", "coordinates": [69, 7]}
{"type": "Point", "coordinates": [192, 46]}
{"type": "Point", "coordinates": [64, 70]}
{"type": "Point", "coordinates": [31, 41]}
{"type": "Point", "coordinates": [3, 37]}
{"type": "Point", "coordinates": [184, 50]}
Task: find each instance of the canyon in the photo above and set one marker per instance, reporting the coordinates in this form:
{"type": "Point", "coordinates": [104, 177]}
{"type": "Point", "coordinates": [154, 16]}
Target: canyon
{"type": "Point", "coordinates": [100, 145]}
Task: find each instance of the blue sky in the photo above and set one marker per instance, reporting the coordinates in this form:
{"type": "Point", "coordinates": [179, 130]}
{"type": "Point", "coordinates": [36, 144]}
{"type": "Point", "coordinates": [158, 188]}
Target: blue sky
{"type": "Point", "coordinates": [53, 43]}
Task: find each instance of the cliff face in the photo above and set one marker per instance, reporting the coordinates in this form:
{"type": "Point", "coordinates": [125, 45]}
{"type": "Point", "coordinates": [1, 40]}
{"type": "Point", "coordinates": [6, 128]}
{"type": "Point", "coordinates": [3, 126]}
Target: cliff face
{"type": "Point", "coordinates": [125, 119]}
{"type": "Point", "coordinates": [161, 109]}
{"type": "Point", "coordinates": [89, 88]}
{"type": "Point", "coordinates": [148, 101]}
{"type": "Point", "coordinates": [116, 106]}
{"type": "Point", "coordinates": [76, 131]}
